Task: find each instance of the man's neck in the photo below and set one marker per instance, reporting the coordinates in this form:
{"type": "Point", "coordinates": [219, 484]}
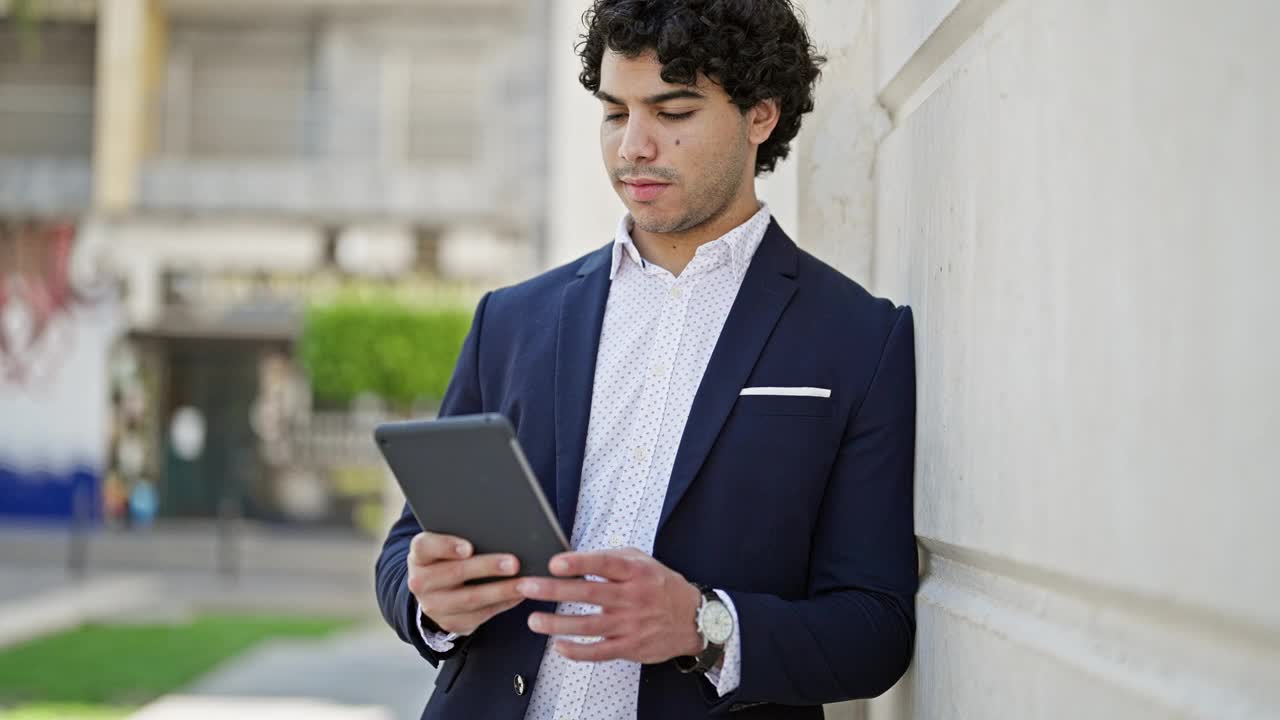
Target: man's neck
{"type": "Point", "coordinates": [674, 251]}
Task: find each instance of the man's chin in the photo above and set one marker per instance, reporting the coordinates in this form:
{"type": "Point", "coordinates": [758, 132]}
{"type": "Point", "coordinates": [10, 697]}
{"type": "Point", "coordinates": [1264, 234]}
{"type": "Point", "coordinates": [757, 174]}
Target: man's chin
{"type": "Point", "coordinates": [650, 220]}
{"type": "Point", "coordinates": [656, 228]}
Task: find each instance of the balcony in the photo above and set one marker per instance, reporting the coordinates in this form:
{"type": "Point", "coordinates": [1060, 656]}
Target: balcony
{"type": "Point", "coordinates": [45, 185]}
{"type": "Point", "coordinates": [318, 190]}
{"type": "Point", "coordinates": [46, 119]}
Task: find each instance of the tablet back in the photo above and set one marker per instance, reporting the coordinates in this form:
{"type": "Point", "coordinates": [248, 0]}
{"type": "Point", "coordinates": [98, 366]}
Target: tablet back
{"type": "Point", "coordinates": [466, 476]}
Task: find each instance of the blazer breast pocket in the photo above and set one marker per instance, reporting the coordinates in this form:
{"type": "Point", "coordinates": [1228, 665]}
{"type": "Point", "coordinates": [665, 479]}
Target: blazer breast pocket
{"type": "Point", "coordinates": [752, 402]}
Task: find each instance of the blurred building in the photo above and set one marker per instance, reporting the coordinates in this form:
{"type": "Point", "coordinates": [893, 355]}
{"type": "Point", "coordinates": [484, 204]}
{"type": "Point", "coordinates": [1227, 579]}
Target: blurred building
{"type": "Point", "coordinates": [207, 166]}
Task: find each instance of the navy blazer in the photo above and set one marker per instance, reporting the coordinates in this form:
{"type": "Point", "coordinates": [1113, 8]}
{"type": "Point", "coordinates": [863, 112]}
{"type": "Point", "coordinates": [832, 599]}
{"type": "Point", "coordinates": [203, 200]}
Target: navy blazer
{"type": "Point", "coordinates": [799, 507]}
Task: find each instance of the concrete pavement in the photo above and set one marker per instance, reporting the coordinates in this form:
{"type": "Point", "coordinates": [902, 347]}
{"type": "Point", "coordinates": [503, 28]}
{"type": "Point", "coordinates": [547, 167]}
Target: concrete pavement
{"type": "Point", "coordinates": [363, 674]}
{"type": "Point", "coordinates": [35, 603]}
{"type": "Point", "coordinates": [185, 707]}
{"type": "Point", "coordinates": [194, 569]}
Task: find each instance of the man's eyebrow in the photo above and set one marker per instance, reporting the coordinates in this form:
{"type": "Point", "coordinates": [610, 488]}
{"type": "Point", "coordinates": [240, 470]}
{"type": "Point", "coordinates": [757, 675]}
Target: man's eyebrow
{"type": "Point", "coordinates": [681, 94]}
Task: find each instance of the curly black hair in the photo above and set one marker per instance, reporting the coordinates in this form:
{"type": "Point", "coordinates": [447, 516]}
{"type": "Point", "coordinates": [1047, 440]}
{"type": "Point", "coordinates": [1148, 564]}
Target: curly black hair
{"type": "Point", "coordinates": [755, 49]}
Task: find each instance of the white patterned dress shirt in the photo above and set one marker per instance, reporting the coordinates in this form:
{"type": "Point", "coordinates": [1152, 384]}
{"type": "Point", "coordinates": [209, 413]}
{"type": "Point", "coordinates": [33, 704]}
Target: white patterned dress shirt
{"type": "Point", "coordinates": [658, 335]}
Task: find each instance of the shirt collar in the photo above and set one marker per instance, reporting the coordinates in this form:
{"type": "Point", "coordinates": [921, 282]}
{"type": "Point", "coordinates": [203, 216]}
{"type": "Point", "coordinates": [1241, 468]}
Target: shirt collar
{"type": "Point", "coordinates": [741, 242]}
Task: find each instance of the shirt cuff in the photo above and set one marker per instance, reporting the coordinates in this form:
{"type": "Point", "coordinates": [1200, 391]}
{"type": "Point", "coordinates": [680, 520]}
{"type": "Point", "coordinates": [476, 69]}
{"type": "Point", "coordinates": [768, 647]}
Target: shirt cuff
{"type": "Point", "coordinates": [726, 677]}
{"type": "Point", "coordinates": [442, 642]}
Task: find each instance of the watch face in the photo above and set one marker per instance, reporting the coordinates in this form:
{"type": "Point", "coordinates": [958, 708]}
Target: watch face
{"type": "Point", "coordinates": [716, 623]}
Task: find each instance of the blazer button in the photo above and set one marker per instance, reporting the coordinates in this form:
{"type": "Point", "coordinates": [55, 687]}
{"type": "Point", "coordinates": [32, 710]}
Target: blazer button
{"type": "Point", "coordinates": [519, 684]}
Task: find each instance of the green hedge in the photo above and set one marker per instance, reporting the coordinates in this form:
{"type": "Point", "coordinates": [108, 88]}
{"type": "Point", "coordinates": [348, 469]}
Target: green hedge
{"type": "Point", "coordinates": [403, 354]}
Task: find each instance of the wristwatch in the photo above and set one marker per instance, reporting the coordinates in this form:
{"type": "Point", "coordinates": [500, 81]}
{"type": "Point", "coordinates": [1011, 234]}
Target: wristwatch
{"type": "Point", "coordinates": [715, 625]}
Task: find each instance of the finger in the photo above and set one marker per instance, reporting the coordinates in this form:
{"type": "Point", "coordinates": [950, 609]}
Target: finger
{"type": "Point", "coordinates": [593, 593]}
{"type": "Point", "coordinates": [429, 547]}
{"type": "Point", "coordinates": [594, 652]}
{"type": "Point", "coordinates": [611, 564]}
{"type": "Point", "coordinates": [469, 599]}
{"type": "Point", "coordinates": [450, 574]}
{"type": "Point", "coordinates": [466, 623]}
{"type": "Point", "coordinates": [595, 625]}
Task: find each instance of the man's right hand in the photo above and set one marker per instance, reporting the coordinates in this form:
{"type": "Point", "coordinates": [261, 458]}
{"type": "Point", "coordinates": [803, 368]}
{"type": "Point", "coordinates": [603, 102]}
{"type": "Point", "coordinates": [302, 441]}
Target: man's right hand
{"type": "Point", "coordinates": [438, 567]}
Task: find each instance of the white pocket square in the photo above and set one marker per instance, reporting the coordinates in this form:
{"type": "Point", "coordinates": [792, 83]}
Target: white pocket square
{"type": "Point", "coordinates": [788, 391]}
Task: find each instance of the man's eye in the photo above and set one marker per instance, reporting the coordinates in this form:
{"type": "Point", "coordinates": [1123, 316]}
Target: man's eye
{"type": "Point", "coordinates": [614, 117]}
{"type": "Point", "coordinates": [676, 116]}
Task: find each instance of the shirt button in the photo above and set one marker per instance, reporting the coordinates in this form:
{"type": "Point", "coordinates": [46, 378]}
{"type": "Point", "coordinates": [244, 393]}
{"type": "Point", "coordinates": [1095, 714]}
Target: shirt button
{"type": "Point", "coordinates": [641, 453]}
{"type": "Point", "coordinates": [615, 541]}
{"type": "Point", "coordinates": [519, 684]}
{"type": "Point", "coordinates": [676, 292]}
{"type": "Point", "coordinates": [659, 370]}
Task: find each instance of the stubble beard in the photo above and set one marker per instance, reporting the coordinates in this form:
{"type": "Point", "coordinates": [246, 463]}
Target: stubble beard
{"type": "Point", "coordinates": [708, 202]}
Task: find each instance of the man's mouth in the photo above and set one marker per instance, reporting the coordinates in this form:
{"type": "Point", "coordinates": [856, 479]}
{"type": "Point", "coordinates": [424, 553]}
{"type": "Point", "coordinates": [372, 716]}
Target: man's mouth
{"type": "Point", "coordinates": [642, 190]}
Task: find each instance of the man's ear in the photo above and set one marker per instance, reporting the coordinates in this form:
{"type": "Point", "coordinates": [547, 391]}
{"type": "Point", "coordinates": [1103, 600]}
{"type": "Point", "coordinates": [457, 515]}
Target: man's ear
{"type": "Point", "coordinates": [762, 118]}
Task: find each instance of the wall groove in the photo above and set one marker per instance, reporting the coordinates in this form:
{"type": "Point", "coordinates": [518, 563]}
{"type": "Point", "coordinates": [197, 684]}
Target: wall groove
{"type": "Point", "coordinates": [1187, 659]}
{"type": "Point", "coordinates": [943, 53]}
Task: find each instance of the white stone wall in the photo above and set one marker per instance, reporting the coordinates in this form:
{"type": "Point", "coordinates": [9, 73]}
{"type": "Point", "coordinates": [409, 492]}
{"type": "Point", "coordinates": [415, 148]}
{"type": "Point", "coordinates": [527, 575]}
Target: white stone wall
{"type": "Point", "coordinates": [1078, 197]}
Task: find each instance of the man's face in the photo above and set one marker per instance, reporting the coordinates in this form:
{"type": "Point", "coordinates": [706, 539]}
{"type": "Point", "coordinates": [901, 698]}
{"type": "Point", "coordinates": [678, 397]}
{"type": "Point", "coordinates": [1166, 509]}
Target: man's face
{"type": "Point", "coordinates": [678, 155]}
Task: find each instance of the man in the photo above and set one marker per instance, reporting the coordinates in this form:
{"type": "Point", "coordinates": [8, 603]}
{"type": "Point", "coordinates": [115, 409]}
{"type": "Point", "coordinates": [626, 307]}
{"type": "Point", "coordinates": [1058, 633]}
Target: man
{"type": "Point", "coordinates": [724, 424]}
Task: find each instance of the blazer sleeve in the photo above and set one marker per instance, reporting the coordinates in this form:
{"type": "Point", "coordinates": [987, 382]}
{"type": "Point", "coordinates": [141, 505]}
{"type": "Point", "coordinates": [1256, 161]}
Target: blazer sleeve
{"type": "Point", "coordinates": [398, 605]}
{"type": "Point", "coordinates": [852, 636]}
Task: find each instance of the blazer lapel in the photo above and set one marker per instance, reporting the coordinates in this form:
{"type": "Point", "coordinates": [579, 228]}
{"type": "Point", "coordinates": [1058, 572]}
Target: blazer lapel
{"type": "Point", "coordinates": [766, 290]}
{"type": "Point", "coordinates": [581, 317]}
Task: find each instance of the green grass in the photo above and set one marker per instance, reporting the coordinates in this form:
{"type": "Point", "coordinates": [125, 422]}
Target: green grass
{"type": "Point", "coordinates": [102, 671]}
{"type": "Point", "coordinates": [66, 711]}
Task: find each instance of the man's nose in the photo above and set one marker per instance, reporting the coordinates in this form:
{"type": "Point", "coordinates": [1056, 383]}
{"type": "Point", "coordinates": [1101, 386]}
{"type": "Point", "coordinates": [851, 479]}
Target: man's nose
{"type": "Point", "coordinates": [637, 142]}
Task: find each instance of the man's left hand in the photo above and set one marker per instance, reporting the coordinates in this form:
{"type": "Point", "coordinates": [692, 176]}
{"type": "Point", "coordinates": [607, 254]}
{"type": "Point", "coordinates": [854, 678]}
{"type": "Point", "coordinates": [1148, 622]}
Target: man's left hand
{"type": "Point", "coordinates": [646, 612]}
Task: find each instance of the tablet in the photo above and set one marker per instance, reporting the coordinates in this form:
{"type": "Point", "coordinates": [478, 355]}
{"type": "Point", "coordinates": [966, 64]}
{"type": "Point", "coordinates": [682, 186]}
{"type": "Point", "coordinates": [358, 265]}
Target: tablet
{"type": "Point", "coordinates": [467, 476]}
